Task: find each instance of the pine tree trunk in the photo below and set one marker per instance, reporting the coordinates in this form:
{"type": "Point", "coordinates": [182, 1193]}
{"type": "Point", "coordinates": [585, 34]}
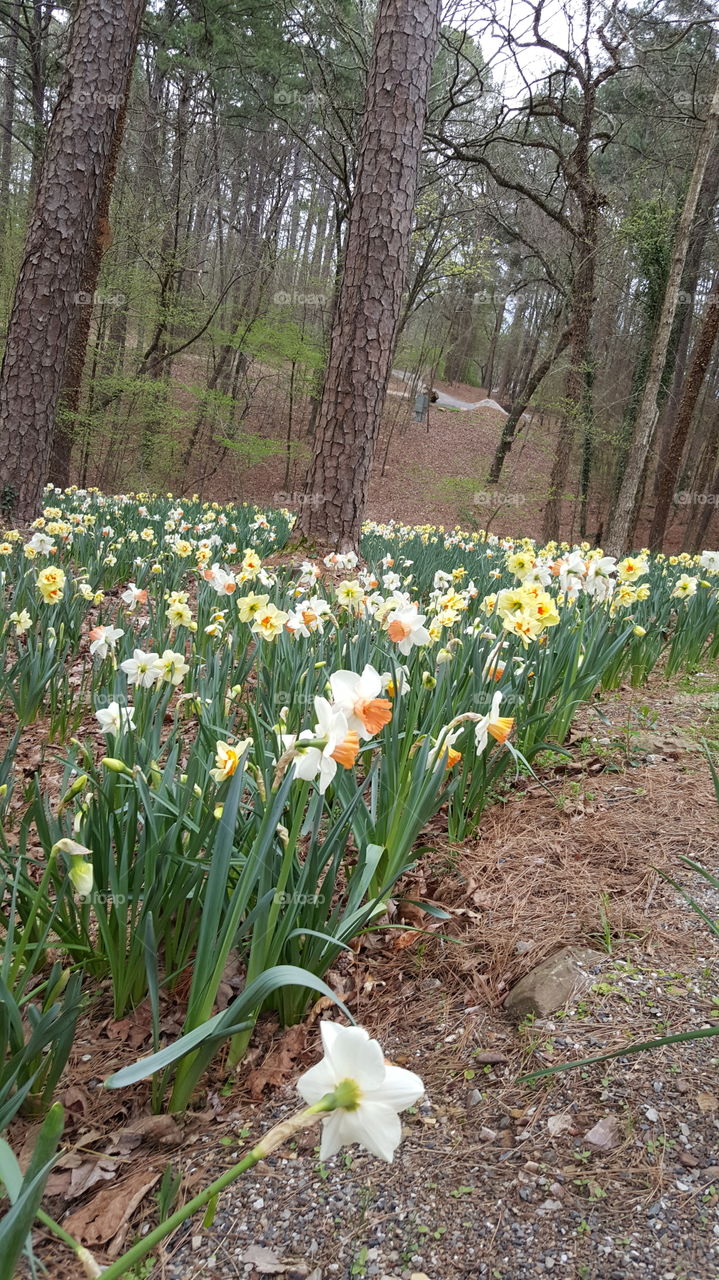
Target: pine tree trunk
{"type": "Point", "coordinates": [99, 64]}
{"type": "Point", "coordinates": [671, 463]}
{"type": "Point", "coordinates": [624, 516]}
{"type": "Point", "coordinates": [369, 306]}
{"type": "Point", "coordinates": [8, 118]}
{"type": "Point", "coordinates": [69, 400]}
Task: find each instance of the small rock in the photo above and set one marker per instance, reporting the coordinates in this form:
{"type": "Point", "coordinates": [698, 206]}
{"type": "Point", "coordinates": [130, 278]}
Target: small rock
{"type": "Point", "coordinates": [688, 1160]}
{"type": "Point", "coordinates": [605, 1135]}
{"type": "Point", "coordinates": [474, 1097]}
{"type": "Point", "coordinates": [523, 947]}
{"type": "Point", "coordinates": [487, 1135]}
{"type": "Point", "coordinates": [553, 983]}
{"type": "Point", "coordinates": [560, 1124]}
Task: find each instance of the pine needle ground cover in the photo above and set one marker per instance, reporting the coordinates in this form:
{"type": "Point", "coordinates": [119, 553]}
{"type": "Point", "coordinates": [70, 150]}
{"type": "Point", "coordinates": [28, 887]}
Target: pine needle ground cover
{"type": "Point", "coordinates": [239, 790]}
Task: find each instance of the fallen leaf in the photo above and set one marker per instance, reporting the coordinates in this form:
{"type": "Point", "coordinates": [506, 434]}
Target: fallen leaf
{"type": "Point", "coordinates": [707, 1102]}
{"type": "Point", "coordinates": [101, 1219]}
{"type": "Point", "coordinates": [278, 1064]}
{"type": "Point", "coordinates": [162, 1129]}
{"type": "Point", "coordinates": [88, 1173]}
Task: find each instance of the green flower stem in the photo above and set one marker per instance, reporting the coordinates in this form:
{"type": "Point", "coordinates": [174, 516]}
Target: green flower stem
{"type": "Point", "coordinates": [83, 1255]}
{"type": "Point", "coordinates": [276, 1136]}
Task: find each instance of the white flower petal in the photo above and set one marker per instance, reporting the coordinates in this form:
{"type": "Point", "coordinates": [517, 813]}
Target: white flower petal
{"type": "Point", "coordinates": [316, 1082]}
{"type": "Point", "coordinates": [332, 1135]}
{"type": "Point", "coordinates": [399, 1089]}
{"type": "Point", "coordinates": [374, 1126]}
{"type": "Point", "coordinates": [355, 1057]}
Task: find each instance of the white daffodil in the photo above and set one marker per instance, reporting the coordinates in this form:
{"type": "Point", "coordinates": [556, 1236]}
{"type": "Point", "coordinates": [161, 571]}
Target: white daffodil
{"type": "Point", "coordinates": [171, 666]}
{"type": "Point", "coordinates": [114, 718]}
{"type": "Point", "coordinates": [376, 1091]}
{"type": "Point", "coordinates": [103, 640]}
{"type": "Point", "coordinates": [340, 745]}
{"type": "Point", "coordinates": [358, 697]}
{"type": "Point", "coordinates": [141, 669]}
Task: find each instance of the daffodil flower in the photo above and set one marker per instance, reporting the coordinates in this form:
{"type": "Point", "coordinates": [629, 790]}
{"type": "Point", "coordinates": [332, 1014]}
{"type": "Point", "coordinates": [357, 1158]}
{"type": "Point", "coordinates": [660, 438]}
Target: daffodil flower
{"type": "Point", "coordinates": [80, 871]}
{"type": "Point", "coordinates": [370, 1092]}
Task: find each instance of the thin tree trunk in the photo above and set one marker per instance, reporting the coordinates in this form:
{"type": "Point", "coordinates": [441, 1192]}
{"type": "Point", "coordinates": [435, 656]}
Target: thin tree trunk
{"type": "Point", "coordinates": [624, 516]}
{"type": "Point", "coordinates": [707, 483]}
{"type": "Point", "coordinates": [682, 327]}
{"type": "Point", "coordinates": [509, 428]}
{"type": "Point", "coordinates": [369, 306]}
{"type": "Point", "coordinates": [671, 463]}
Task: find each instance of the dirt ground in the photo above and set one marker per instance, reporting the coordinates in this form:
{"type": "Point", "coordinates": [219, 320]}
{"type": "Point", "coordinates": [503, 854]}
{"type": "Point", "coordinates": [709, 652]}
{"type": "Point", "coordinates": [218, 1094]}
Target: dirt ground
{"type": "Point", "coordinates": [495, 1178]}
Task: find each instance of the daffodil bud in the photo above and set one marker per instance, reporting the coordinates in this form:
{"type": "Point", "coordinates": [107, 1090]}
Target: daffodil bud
{"type": "Point", "coordinates": [428, 681]}
{"type": "Point", "coordinates": [117, 766]}
{"type": "Point", "coordinates": [72, 791]}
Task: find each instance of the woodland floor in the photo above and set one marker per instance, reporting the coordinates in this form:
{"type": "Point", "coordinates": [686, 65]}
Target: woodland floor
{"type": "Point", "coordinates": [494, 1178]}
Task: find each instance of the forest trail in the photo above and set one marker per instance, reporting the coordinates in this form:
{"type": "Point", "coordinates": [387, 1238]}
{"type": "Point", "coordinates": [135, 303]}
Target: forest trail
{"type": "Point", "coordinates": [445, 401]}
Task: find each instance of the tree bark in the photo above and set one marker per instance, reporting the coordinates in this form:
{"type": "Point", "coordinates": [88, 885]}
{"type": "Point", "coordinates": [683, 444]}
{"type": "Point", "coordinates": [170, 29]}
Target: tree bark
{"type": "Point", "coordinates": [99, 64]}
{"type": "Point", "coordinates": [624, 516]}
{"type": "Point", "coordinates": [369, 306]}
{"type": "Point", "coordinates": [69, 400]}
{"type": "Point", "coordinates": [8, 118]}
{"type": "Point", "coordinates": [671, 463]}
